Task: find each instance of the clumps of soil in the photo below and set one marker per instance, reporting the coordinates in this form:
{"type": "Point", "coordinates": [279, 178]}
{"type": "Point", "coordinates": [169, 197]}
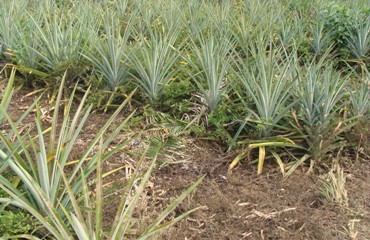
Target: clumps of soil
{"type": "Point", "coordinates": [244, 205]}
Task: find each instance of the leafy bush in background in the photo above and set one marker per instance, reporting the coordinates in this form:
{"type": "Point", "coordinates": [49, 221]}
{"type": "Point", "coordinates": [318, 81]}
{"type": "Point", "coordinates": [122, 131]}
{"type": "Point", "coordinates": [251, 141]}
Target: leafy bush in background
{"type": "Point", "coordinates": [342, 22]}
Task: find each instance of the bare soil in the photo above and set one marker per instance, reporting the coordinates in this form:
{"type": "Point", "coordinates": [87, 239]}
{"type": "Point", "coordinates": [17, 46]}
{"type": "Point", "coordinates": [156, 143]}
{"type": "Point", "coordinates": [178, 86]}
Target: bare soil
{"type": "Point", "coordinates": [244, 205]}
{"type": "Point", "coordinates": [237, 205]}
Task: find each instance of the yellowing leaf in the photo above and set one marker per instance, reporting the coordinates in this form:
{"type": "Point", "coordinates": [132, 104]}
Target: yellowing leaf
{"type": "Point", "coordinates": [51, 155]}
{"type": "Point", "coordinates": [236, 160]}
{"type": "Point", "coordinates": [279, 162]}
{"type": "Point", "coordinates": [261, 159]}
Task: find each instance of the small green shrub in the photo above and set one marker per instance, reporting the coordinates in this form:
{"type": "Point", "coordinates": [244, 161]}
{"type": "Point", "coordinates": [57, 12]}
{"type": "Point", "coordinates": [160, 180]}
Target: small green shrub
{"type": "Point", "coordinates": [340, 21]}
{"type": "Point", "coordinates": [14, 222]}
{"type": "Point", "coordinates": [220, 122]}
{"type": "Point", "coordinates": [175, 95]}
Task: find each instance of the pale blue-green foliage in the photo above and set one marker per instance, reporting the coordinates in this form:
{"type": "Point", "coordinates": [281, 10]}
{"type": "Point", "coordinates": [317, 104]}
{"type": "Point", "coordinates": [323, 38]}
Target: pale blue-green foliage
{"type": "Point", "coordinates": [320, 92]}
{"type": "Point", "coordinates": [358, 40]}
{"type": "Point", "coordinates": [360, 101]}
{"type": "Point", "coordinates": [40, 165]}
{"type": "Point", "coordinates": [63, 203]}
{"type": "Point", "coordinates": [360, 96]}
{"type": "Point", "coordinates": [289, 30]}
{"type": "Point", "coordinates": [60, 40]}
{"type": "Point", "coordinates": [153, 61]}
{"type": "Point", "coordinates": [211, 62]}
{"type": "Point", "coordinates": [107, 55]}
{"type": "Point", "coordinates": [220, 16]}
{"type": "Point", "coordinates": [321, 38]}
{"type": "Point", "coordinates": [5, 99]}
{"type": "Point", "coordinates": [266, 90]}
{"type": "Point", "coordinates": [26, 46]}
{"type": "Point", "coordinates": [10, 15]}
{"type": "Point", "coordinates": [194, 17]}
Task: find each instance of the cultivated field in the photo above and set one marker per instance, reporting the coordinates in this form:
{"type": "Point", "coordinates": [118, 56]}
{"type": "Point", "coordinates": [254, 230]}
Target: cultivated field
{"type": "Point", "coordinates": [170, 119]}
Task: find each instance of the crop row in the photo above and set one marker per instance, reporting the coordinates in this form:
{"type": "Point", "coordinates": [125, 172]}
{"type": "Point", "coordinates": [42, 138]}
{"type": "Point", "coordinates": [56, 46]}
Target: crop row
{"type": "Point", "coordinates": [276, 73]}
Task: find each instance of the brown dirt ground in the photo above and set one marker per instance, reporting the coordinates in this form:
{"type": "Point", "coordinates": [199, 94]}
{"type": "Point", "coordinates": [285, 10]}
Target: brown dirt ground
{"type": "Point", "coordinates": [240, 205]}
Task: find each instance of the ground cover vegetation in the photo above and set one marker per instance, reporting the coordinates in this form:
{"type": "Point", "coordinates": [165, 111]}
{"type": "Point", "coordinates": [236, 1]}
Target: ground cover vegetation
{"type": "Point", "coordinates": [283, 81]}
